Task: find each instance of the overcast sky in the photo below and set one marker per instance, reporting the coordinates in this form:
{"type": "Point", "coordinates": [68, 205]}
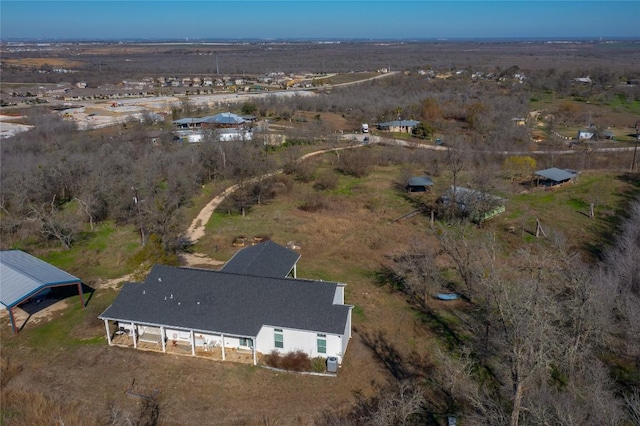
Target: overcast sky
{"type": "Point", "coordinates": [318, 19]}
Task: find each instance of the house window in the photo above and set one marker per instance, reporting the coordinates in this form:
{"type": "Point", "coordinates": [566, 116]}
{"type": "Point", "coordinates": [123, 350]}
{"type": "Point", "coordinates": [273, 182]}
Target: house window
{"type": "Point", "coordinates": [278, 338]}
{"type": "Point", "coordinates": [246, 342]}
{"type": "Point", "coordinates": [322, 343]}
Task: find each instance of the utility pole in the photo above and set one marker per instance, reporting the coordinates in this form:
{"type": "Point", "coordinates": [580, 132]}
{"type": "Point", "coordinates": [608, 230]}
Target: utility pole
{"type": "Point", "coordinates": [635, 150]}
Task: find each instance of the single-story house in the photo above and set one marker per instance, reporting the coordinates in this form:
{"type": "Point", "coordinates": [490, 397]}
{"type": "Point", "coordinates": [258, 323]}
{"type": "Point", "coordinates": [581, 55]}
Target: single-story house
{"type": "Point", "coordinates": [419, 184]}
{"type": "Point", "coordinates": [398, 126]}
{"type": "Point", "coordinates": [478, 205]}
{"type": "Point", "coordinates": [24, 277]}
{"type": "Point", "coordinates": [222, 120]}
{"type": "Point", "coordinates": [249, 308]}
{"type": "Point", "coordinates": [555, 176]}
{"type": "Point", "coordinates": [188, 123]}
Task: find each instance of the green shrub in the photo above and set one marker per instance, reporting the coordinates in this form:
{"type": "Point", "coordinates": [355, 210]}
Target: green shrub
{"type": "Point", "coordinates": [318, 364]}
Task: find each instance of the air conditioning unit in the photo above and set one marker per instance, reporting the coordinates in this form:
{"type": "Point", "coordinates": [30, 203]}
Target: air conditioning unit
{"type": "Point", "coordinates": [332, 364]}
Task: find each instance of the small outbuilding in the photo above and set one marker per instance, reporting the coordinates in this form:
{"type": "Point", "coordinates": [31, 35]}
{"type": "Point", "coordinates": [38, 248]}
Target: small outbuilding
{"type": "Point", "coordinates": [24, 277]}
{"type": "Point", "coordinates": [555, 176]}
{"type": "Point", "coordinates": [419, 184]}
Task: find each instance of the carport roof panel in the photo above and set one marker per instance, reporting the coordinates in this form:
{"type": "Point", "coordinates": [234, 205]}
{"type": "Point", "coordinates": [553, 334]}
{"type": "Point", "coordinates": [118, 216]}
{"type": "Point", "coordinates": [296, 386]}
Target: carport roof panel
{"type": "Point", "coordinates": [420, 181]}
{"type": "Point", "coordinates": [555, 174]}
{"type": "Point", "coordinates": [22, 275]}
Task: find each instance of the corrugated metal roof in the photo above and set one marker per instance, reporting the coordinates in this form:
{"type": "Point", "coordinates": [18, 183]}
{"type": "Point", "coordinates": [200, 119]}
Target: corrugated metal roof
{"type": "Point", "coordinates": [556, 175]}
{"type": "Point", "coordinates": [219, 302]}
{"type": "Point", "coordinates": [399, 123]}
{"type": "Point", "coordinates": [420, 181]}
{"type": "Point", "coordinates": [223, 118]}
{"type": "Point", "coordinates": [22, 275]}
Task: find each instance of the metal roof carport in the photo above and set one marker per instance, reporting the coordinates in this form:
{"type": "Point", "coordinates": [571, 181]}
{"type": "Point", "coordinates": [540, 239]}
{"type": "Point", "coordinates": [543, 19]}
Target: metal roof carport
{"type": "Point", "coordinates": [557, 175]}
{"type": "Point", "coordinates": [22, 276]}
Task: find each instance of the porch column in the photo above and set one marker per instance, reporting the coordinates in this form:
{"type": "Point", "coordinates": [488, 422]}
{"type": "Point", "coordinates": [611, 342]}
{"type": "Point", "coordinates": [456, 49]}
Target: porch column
{"type": "Point", "coordinates": [13, 321]}
{"type": "Point", "coordinates": [295, 271]}
{"type": "Point", "coordinates": [193, 343]}
{"type": "Point", "coordinates": [164, 343]}
{"type": "Point", "coordinates": [134, 335]}
{"type": "Point", "coordinates": [80, 294]}
{"type": "Point", "coordinates": [106, 325]}
{"type": "Point", "coordinates": [222, 346]}
{"type": "Point", "coordinates": [253, 349]}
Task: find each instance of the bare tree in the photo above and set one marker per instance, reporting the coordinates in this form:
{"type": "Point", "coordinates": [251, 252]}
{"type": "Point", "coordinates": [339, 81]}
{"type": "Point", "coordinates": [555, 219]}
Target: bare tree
{"type": "Point", "coordinates": [54, 223]}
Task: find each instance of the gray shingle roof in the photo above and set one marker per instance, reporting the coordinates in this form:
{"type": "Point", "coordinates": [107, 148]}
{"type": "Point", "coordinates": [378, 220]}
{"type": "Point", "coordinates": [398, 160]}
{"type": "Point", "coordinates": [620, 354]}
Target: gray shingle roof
{"type": "Point", "coordinates": [219, 302]}
{"type": "Point", "coordinates": [556, 175]}
{"type": "Point", "coordinates": [23, 275]}
{"type": "Point", "coordinates": [266, 259]}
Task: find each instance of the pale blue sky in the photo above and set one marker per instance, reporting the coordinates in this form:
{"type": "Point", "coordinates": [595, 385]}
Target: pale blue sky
{"type": "Point", "coordinates": [318, 19]}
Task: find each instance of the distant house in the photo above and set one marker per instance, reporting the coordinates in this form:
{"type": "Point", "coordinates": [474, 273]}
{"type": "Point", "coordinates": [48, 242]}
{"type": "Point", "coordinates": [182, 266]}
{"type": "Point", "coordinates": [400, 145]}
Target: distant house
{"type": "Point", "coordinates": [223, 120]}
{"type": "Point", "coordinates": [252, 305]}
{"type": "Point", "coordinates": [188, 123]}
{"type": "Point", "coordinates": [398, 126]}
{"type": "Point", "coordinates": [607, 134]}
{"type": "Point", "coordinates": [478, 206]}
{"type": "Point", "coordinates": [585, 135]}
{"type": "Point", "coordinates": [419, 184]}
{"type": "Point", "coordinates": [555, 176]}
{"type": "Point", "coordinates": [226, 135]}
{"type": "Point", "coordinates": [24, 277]}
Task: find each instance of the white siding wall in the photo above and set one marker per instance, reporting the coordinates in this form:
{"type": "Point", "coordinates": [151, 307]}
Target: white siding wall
{"type": "Point", "coordinates": [294, 340]}
{"type": "Point", "coordinates": [347, 333]}
{"type": "Point", "coordinates": [178, 335]}
{"type": "Point", "coordinates": [338, 297]}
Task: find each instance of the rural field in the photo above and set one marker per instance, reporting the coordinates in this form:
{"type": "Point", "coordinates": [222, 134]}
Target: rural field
{"type": "Point", "coordinates": [543, 326]}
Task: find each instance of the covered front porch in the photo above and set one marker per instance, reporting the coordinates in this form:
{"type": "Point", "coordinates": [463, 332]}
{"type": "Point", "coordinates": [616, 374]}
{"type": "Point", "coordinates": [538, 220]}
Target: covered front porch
{"type": "Point", "coordinates": [218, 347]}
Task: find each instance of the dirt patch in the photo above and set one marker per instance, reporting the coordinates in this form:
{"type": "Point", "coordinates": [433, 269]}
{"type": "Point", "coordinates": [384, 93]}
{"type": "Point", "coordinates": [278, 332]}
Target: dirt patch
{"type": "Point", "coordinates": [33, 313]}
